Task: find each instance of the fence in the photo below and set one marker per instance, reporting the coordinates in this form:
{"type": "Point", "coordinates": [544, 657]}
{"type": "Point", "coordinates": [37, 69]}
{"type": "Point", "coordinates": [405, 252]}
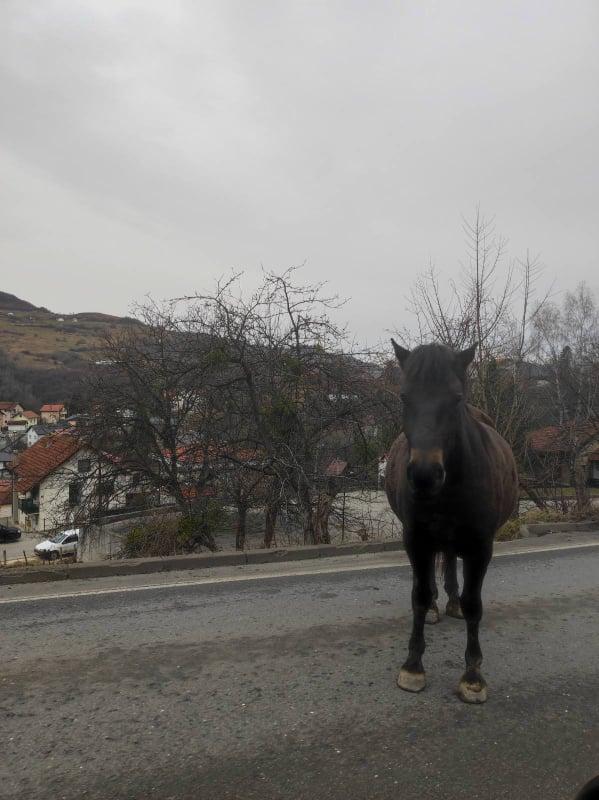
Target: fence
{"type": "Point", "coordinates": [359, 512]}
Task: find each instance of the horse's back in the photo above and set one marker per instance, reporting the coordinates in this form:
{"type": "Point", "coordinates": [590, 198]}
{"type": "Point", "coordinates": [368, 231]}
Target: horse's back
{"type": "Point", "coordinates": [499, 457]}
{"type": "Point", "coordinates": [505, 475]}
{"type": "Point", "coordinates": [479, 415]}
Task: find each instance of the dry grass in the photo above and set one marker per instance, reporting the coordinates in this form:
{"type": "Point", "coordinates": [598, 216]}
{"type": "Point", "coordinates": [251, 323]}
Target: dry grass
{"type": "Point", "coordinates": [36, 339]}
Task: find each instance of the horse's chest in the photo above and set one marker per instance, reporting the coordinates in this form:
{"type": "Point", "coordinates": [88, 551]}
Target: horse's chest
{"type": "Point", "coordinates": [440, 527]}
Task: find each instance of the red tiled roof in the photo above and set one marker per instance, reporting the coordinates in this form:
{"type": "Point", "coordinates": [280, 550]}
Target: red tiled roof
{"type": "Point", "coordinates": [52, 407]}
{"type": "Point", "coordinates": [46, 455]}
{"type": "Point", "coordinates": [30, 414]}
{"type": "Point", "coordinates": [335, 468]}
{"type": "Point", "coordinates": [196, 453]}
{"type": "Point", "coordinates": [5, 493]}
{"type": "Point", "coordinates": [557, 439]}
{"type": "Point", "coordinates": [7, 406]}
{"type": "Point", "coordinates": [192, 493]}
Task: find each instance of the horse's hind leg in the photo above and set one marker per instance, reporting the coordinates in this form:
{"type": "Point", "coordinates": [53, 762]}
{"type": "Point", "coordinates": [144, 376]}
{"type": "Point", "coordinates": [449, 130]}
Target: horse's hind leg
{"type": "Point", "coordinates": [450, 574]}
{"type": "Point", "coordinates": [473, 688]}
{"type": "Point", "coordinates": [432, 615]}
{"type": "Point", "coordinates": [411, 676]}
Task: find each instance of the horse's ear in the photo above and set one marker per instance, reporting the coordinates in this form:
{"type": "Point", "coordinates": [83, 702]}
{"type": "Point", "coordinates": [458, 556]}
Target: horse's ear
{"type": "Point", "coordinates": [400, 352]}
{"type": "Point", "coordinates": [465, 357]}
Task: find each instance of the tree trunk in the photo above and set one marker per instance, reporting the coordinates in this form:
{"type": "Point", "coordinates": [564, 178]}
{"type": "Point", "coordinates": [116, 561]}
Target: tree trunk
{"type": "Point", "coordinates": [311, 531]}
{"type": "Point", "coordinates": [579, 481]}
{"type": "Point", "coordinates": [270, 522]}
{"type": "Point", "coordinates": [309, 527]}
{"type": "Point", "coordinates": [321, 518]}
{"type": "Point", "coordinates": [240, 532]}
{"type": "Point", "coordinates": [533, 494]}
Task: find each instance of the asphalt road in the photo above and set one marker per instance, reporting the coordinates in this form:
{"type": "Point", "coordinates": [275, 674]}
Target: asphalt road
{"type": "Point", "coordinates": [284, 687]}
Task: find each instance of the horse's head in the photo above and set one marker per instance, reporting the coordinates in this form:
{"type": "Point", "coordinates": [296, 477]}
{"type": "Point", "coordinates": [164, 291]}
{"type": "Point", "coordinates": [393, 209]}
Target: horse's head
{"type": "Point", "coordinates": [433, 389]}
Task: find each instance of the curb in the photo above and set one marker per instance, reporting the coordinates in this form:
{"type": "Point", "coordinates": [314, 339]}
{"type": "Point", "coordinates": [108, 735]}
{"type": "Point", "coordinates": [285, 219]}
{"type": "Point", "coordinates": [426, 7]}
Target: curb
{"type": "Point", "coordinates": [146, 566]}
{"type": "Point", "coordinates": [543, 528]}
{"type": "Point", "coordinates": [141, 566]}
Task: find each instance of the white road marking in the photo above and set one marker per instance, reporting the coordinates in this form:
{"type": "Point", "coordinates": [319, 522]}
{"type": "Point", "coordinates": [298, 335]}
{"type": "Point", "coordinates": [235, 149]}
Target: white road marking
{"type": "Point", "coordinates": [320, 569]}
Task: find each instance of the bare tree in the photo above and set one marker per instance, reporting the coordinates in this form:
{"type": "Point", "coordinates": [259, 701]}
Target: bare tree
{"type": "Point", "coordinates": [244, 481]}
{"type": "Point", "coordinates": [568, 344]}
{"type": "Point", "coordinates": [154, 412]}
{"type": "Point", "coordinates": [296, 386]}
{"type": "Point", "coordinates": [493, 304]}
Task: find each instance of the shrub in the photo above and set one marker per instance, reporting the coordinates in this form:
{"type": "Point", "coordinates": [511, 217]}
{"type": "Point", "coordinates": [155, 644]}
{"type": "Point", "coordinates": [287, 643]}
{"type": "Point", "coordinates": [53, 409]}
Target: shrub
{"type": "Point", "coordinates": [509, 531]}
{"type": "Point", "coordinates": [158, 536]}
{"type": "Point", "coordinates": [172, 535]}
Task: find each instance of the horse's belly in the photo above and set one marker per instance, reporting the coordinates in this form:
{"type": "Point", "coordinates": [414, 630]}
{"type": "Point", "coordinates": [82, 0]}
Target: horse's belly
{"type": "Point", "coordinates": [440, 532]}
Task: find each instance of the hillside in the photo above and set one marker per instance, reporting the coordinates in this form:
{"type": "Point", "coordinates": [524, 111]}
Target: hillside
{"type": "Point", "coordinates": [44, 354]}
{"type": "Point", "coordinates": [9, 302]}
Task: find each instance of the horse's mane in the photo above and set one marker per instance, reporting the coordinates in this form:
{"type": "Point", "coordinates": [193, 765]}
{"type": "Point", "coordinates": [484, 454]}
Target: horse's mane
{"type": "Point", "coordinates": [480, 416]}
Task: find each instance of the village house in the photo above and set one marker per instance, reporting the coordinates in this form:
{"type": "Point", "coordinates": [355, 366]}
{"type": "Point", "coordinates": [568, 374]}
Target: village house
{"type": "Point", "coordinates": [6, 459]}
{"type": "Point", "coordinates": [59, 482]}
{"type": "Point", "coordinates": [17, 425]}
{"type": "Point", "coordinates": [32, 417]}
{"type": "Point", "coordinates": [51, 413]}
{"type": "Point", "coordinates": [8, 410]}
{"type": "Point", "coordinates": [5, 502]}
{"type": "Point", "coordinates": [36, 432]}
{"type": "Point", "coordinates": [551, 449]}
{"type": "Point", "coordinates": [48, 481]}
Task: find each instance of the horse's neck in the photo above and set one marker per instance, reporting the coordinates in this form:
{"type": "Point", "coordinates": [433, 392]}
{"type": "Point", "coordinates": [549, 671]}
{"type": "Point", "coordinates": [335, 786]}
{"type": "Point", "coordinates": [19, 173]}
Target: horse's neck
{"type": "Point", "coordinates": [465, 445]}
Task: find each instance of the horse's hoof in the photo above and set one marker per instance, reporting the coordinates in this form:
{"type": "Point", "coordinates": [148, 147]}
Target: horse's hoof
{"type": "Point", "coordinates": [411, 681]}
{"type": "Point", "coordinates": [432, 616]}
{"type": "Point", "coordinates": [453, 610]}
{"type": "Point", "coordinates": [473, 692]}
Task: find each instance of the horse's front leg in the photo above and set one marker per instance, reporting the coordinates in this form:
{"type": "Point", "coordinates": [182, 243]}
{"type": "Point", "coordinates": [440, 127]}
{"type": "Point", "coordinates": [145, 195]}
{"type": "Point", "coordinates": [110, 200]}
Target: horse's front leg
{"type": "Point", "coordinates": [473, 688]}
{"type": "Point", "coordinates": [411, 675]}
{"type": "Point", "coordinates": [432, 614]}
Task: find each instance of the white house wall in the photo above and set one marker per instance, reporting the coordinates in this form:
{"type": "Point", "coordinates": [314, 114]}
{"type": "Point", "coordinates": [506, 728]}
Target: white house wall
{"type": "Point", "coordinates": [54, 509]}
{"type": "Point", "coordinates": [5, 514]}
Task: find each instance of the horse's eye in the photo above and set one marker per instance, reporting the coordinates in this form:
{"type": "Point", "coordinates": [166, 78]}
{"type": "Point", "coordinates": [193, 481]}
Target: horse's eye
{"type": "Point", "coordinates": [459, 397]}
{"type": "Point", "coordinates": [403, 397]}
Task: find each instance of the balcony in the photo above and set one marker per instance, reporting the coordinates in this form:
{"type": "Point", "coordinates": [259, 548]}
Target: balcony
{"type": "Point", "coordinates": [29, 505]}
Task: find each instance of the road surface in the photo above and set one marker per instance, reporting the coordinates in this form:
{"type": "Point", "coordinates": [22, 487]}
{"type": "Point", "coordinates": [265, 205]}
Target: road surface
{"type": "Point", "coordinates": [283, 686]}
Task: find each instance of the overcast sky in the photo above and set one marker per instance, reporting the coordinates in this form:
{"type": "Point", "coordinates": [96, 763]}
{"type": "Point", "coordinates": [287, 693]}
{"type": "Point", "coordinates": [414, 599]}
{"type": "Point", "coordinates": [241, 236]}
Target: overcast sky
{"type": "Point", "coordinates": [151, 146]}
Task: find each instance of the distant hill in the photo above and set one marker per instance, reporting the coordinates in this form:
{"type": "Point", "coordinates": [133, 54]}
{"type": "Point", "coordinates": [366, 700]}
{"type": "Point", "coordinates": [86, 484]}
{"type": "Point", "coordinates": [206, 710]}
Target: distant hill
{"type": "Point", "coordinates": [9, 302]}
{"type": "Point", "coordinates": [44, 354]}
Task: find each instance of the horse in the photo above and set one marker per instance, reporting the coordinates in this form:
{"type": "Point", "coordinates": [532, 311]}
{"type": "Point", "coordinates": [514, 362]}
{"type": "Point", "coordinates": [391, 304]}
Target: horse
{"type": "Point", "coordinates": [451, 480]}
{"type": "Point", "coordinates": [590, 791]}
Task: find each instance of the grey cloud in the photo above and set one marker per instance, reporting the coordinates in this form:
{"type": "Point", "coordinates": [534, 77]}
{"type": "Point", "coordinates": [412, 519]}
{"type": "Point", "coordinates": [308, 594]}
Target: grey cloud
{"type": "Point", "coordinates": [150, 146]}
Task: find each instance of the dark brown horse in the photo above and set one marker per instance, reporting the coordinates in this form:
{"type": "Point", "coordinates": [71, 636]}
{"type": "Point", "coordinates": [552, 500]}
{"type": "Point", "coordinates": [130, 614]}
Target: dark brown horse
{"type": "Point", "coordinates": [451, 479]}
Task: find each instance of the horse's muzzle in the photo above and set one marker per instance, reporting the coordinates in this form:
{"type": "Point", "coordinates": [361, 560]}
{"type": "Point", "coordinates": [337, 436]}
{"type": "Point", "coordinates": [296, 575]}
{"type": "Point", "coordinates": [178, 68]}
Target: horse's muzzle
{"type": "Point", "coordinates": [426, 473]}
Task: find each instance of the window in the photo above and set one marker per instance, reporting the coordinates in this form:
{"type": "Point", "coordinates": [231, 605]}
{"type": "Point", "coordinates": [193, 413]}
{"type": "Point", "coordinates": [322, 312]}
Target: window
{"type": "Point", "coordinates": [83, 465]}
{"type": "Point", "coordinates": [74, 493]}
{"type": "Point", "coordinates": [106, 488]}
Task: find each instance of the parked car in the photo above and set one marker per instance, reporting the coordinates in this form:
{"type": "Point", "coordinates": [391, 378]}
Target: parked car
{"type": "Point", "coordinates": [9, 534]}
{"type": "Point", "coordinates": [62, 544]}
